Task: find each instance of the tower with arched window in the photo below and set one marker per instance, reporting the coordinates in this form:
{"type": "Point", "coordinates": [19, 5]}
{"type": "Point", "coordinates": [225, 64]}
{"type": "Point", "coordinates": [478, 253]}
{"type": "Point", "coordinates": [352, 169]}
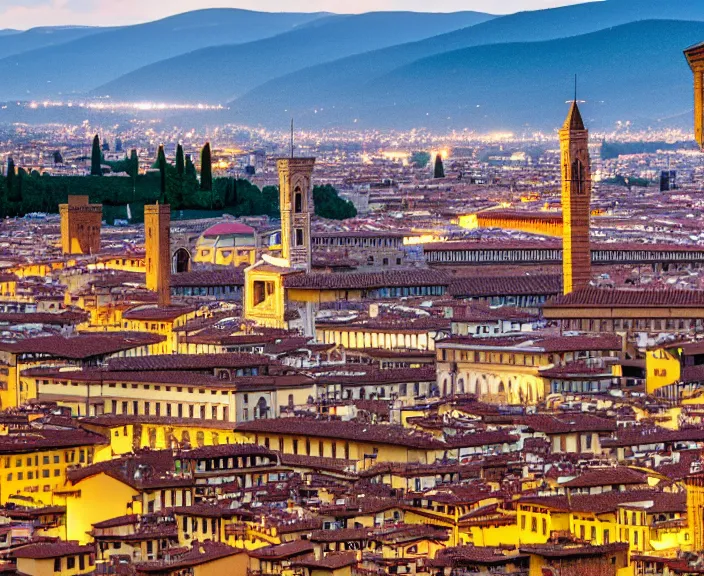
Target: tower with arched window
{"type": "Point", "coordinates": [576, 199]}
{"type": "Point", "coordinates": [265, 293]}
{"type": "Point", "coordinates": [296, 202]}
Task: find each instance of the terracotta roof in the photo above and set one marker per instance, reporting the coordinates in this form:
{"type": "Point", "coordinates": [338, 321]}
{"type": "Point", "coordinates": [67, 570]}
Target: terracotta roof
{"type": "Point", "coordinates": [45, 550]}
{"type": "Point", "coordinates": [317, 462]}
{"type": "Point", "coordinates": [37, 440]}
{"type": "Point", "coordinates": [641, 436]}
{"type": "Point", "coordinates": [227, 450]}
{"type": "Point", "coordinates": [119, 420]}
{"type": "Point", "coordinates": [282, 551]}
{"type": "Point", "coordinates": [60, 319]}
{"type": "Point", "coordinates": [188, 362]}
{"type": "Point", "coordinates": [571, 551]}
{"type": "Point", "coordinates": [463, 556]}
{"type": "Point", "coordinates": [366, 280]}
{"type": "Point", "coordinates": [145, 469]}
{"type": "Point", "coordinates": [592, 503]}
{"type": "Point", "coordinates": [82, 346]}
{"type": "Point", "coordinates": [344, 430]}
{"type": "Point", "coordinates": [539, 342]}
{"type": "Point", "coordinates": [149, 312]}
{"type": "Point", "coordinates": [609, 298]}
{"type": "Point", "coordinates": [482, 286]}
{"type": "Point", "coordinates": [332, 561]}
{"type": "Point", "coordinates": [482, 313]}
{"type": "Point", "coordinates": [566, 423]}
{"type": "Point", "coordinates": [118, 521]}
{"type": "Point", "coordinates": [196, 278]}
{"type": "Point", "coordinates": [612, 476]}
{"type": "Point", "coordinates": [200, 553]}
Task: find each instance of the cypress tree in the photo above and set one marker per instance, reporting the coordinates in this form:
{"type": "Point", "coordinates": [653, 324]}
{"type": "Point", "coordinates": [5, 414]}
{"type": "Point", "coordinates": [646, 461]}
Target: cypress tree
{"type": "Point", "coordinates": [190, 167]}
{"type": "Point", "coordinates": [96, 158]}
{"type": "Point", "coordinates": [21, 173]}
{"type": "Point", "coordinates": [134, 163]}
{"type": "Point", "coordinates": [180, 162]}
{"type": "Point", "coordinates": [10, 176]}
{"type": "Point", "coordinates": [161, 163]}
{"type": "Point", "coordinates": [206, 169]}
{"type": "Point", "coordinates": [439, 171]}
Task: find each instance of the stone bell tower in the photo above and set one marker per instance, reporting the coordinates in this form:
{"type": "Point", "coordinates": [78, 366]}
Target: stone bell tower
{"type": "Point", "coordinates": [695, 57]}
{"type": "Point", "coordinates": [157, 245]}
{"type": "Point", "coordinates": [296, 202]}
{"type": "Point", "coordinates": [576, 200]}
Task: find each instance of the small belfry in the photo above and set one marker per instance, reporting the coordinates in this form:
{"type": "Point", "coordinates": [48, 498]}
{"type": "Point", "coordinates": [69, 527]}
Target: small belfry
{"type": "Point", "coordinates": [695, 57]}
{"type": "Point", "coordinates": [157, 245]}
{"type": "Point", "coordinates": [80, 226]}
{"type": "Point", "coordinates": [576, 200]}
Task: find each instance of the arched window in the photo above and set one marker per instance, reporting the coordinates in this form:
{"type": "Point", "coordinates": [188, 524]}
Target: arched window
{"type": "Point", "coordinates": [262, 409]}
{"type": "Point", "coordinates": [362, 394]}
{"type": "Point", "coordinates": [578, 176]}
{"type": "Point", "coordinates": [290, 401]}
{"type": "Point", "coordinates": [297, 200]}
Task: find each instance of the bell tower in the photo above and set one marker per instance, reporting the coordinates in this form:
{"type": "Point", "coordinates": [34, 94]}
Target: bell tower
{"type": "Point", "coordinates": [576, 199]}
{"type": "Point", "coordinates": [157, 245]}
{"type": "Point", "coordinates": [296, 202]}
{"type": "Point", "coordinates": [695, 58]}
{"type": "Point", "coordinates": [265, 296]}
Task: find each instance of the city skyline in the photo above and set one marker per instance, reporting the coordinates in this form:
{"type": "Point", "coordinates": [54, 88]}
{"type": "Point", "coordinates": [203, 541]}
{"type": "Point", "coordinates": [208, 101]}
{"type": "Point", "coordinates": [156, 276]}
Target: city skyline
{"type": "Point", "coordinates": [25, 14]}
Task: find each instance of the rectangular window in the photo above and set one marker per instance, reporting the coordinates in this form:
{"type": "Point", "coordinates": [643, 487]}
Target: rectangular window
{"type": "Point", "coordinates": [299, 236]}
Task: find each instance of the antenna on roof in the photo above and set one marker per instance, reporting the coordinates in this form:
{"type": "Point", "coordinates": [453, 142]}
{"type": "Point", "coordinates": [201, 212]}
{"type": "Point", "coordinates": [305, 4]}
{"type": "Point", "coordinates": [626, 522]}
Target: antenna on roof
{"type": "Point", "coordinates": [291, 137]}
{"type": "Point", "coordinates": [575, 88]}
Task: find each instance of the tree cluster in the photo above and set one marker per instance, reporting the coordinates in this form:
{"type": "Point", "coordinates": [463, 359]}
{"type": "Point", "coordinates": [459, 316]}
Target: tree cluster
{"type": "Point", "coordinates": [328, 204]}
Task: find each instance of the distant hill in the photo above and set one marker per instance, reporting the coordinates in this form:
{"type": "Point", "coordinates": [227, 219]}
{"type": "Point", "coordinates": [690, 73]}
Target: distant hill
{"type": "Point", "coordinates": [344, 83]}
{"type": "Point", "coordinates": [83, 63]}
{"type": "Point", "coordinates": [18, 41]}
{"type": "Point", "coordinates": [632, 72]}
{"type": "Point", "coordinates": [224, 72]}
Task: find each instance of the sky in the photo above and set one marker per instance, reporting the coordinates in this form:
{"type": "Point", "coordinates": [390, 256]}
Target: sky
{"type": "Point", "coordinates": [23, 14]}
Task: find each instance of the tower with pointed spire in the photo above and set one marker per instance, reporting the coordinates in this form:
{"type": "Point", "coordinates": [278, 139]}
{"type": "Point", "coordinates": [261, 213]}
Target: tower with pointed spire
{"type": "Point", "coordinates": [695, 58]}
{"type": "Point", "coordinates": [576, 199]}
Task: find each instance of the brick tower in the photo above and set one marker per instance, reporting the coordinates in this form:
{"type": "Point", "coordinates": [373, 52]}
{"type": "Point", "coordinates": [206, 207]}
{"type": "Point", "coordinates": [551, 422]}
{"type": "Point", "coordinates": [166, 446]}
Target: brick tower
{"type": "Point", "coordinates": [576, 198]}
{"type": "Point", "coordinates": [296, 201]}
{"type": "Point", "coordinates": [157, 244]}
{"type": "Point", "coordinates": [80, 226]}
{"type": "Point", "coordinates": [695, 57]}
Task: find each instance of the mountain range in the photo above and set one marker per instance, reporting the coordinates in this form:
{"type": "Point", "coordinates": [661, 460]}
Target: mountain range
{"type": "Point", "coordinates": [85, 62]}
{"type": "Point", "coordinates": [382, 69]}
{"type": "Point", "coordinates": [224, 72]}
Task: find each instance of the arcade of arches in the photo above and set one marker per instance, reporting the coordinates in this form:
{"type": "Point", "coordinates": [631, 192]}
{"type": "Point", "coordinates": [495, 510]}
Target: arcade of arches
{"type": "Point", "coordinates": [494, 387]}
